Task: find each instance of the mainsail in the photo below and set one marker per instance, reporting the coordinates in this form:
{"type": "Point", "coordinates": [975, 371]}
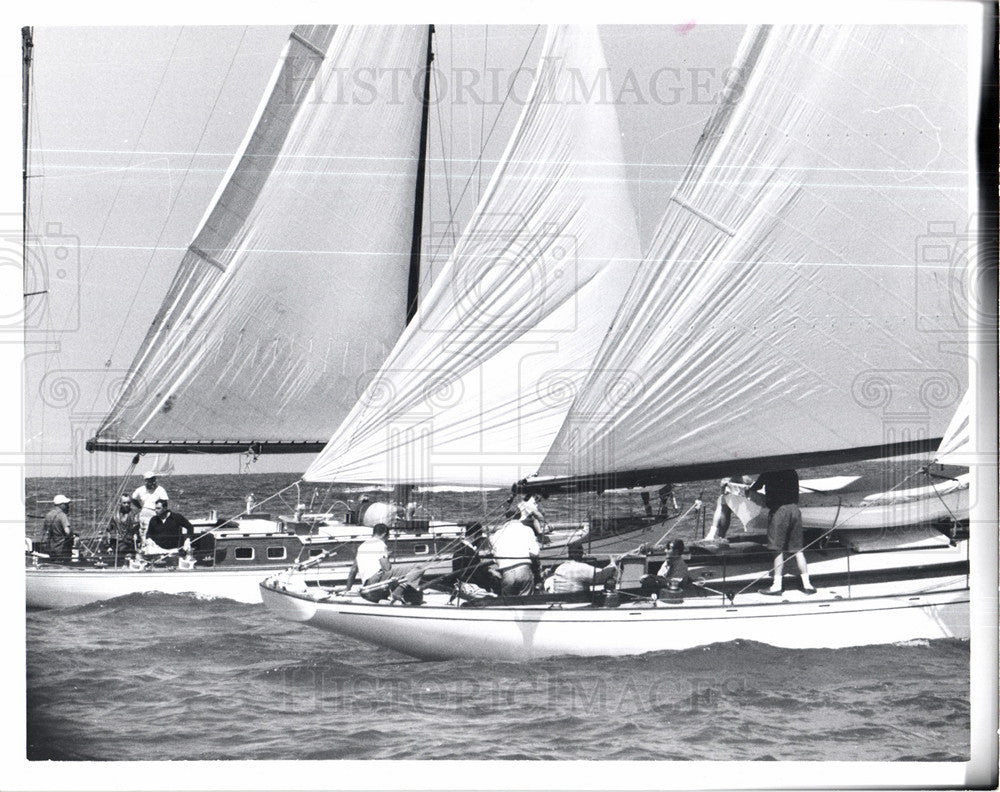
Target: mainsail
{"type": "Point", "coordinates": [783, 315]}
{"type": "Point", "coordinates": [295, 287]}
{"type": "Point", "coordinates": [479, 383]}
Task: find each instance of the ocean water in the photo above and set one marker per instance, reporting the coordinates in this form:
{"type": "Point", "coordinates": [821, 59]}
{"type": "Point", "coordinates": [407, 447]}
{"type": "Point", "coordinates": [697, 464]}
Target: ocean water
{"type": "Point", "coordinates": [179, 677]}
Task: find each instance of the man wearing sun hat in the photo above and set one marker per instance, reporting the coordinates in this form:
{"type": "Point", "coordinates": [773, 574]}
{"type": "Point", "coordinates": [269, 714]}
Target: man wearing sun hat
{"type": "Point", "coordinates": [145, 498]}
{"type": "Point", "coordinates": [57, 531]}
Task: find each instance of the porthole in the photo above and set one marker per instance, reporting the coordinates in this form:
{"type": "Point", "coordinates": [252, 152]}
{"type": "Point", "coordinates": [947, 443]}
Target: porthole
{"type": "Point", "coordinates": [244, 554]}
{"type": "Point", "coordinates": [276, 553]}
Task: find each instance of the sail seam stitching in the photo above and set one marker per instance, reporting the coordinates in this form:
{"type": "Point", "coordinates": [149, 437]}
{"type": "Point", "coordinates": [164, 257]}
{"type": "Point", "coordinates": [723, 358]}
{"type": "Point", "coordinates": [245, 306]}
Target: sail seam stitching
{"type": "Point", "coordinates": [703, 215]}
{"type": "Point", "coordinates": [308, 45]}
{"type": "Point", "coordinates": [207, 258]}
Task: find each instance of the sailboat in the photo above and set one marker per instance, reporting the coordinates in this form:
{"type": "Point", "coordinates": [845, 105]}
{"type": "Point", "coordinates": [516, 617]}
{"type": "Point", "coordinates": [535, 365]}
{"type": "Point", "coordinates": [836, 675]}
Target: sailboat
{"type": "Point", "coordinates": [303, 273]}
{"type": "Point", "coordinates": [775, 315]}
{"type": "Point", "coordinates": [242, 357]}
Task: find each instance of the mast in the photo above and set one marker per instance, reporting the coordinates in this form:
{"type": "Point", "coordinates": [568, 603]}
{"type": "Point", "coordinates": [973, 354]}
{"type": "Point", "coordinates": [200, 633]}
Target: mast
{"type": "Point", "coordinates": [413, 290]}
{"type": "Point", "coordinates": [226, 382]}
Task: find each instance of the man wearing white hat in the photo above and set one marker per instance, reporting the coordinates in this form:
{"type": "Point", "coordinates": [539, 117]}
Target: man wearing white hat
{"type": "Point", "coordinates": [57, 531]}
{"type": "Point", "coordinates": [145, 498]}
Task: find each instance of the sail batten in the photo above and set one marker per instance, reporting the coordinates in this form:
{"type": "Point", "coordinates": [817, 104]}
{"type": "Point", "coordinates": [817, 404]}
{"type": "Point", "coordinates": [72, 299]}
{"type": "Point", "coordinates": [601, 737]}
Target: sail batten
{"type": "Point", "coordinates": [477, 385]}
{"type": "Point", "coordinates": [300, 266]}
{"type": "Point", "coordinates": [781, 316]}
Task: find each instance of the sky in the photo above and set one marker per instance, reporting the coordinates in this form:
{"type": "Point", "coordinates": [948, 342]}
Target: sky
{"type": "Point", "coordinates": [131, 133]}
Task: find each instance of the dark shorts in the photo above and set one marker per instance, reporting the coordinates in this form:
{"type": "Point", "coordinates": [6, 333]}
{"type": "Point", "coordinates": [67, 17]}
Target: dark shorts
{"type": "Point", "coordinates": [784, 530]}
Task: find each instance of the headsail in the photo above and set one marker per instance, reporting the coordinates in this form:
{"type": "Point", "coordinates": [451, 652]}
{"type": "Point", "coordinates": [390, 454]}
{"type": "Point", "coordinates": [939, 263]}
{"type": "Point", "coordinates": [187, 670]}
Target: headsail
{"type": "Point", "coordinates": [956, 445]}
{"type": "Point", "coordinates": [478, 385]}
{"type": "Point", "coordinates": [295, 286]}
{"type": "Point", "coordinates": [781, 316]}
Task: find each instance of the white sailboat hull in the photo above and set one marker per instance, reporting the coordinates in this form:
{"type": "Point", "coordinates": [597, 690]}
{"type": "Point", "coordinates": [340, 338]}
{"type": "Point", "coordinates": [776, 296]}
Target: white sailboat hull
{"type": "Point", "coordinates": [54, 587]}
{"type": "Point", "coordinates": [877, 614]}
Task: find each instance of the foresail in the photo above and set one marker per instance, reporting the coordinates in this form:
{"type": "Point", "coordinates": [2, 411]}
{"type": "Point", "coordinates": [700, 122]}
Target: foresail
{"type": "Point", "coordinates": [479, 383]}
{"type": "Point", "coordinates": [294, 288]}
{"type": "Point", "coordinates": [788, 307]}
{"type": "Point", "coordinates": [957, 444]}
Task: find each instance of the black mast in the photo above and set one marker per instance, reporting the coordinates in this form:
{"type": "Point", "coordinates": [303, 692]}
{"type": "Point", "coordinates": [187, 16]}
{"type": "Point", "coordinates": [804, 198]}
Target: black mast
{"type": "Point", "coordinates": [413, 289]}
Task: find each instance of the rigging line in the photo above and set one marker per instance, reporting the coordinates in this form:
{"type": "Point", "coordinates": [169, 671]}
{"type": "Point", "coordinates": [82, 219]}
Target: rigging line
{"type": "Point", "coordinates": [142, 129]}
{"type": "Point", "coordinates": [173, 204]}
{"type": "Point", "coordinates": [445, 156]}
{"type": "Point", "coordinates": [114, 200]}
{"type": "Point", "coordinates": [235, 517]}
{"type": "Point", "coordinates": [482, 115]}
{"type": "Point", "coordinates": [496, 120]}
{"type": "Point", "coordinates": [92, 540]}
{"type": "Point", "coordinates": [826, 533]}
{"type": "Point", "coordinates": [449, 547]}
{"type": "Point", "coordinates": [944, 503]}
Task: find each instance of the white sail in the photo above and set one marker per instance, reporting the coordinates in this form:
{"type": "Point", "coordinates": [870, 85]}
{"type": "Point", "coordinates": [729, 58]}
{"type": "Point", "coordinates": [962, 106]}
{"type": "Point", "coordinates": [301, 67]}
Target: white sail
{"type": "Point", "coordinates": [478, 385]}
{"type": "Point", "coordinates": [783, 307]}
{"type": "Point", "coordinates": [159, 464]}
{"type": "Point", "coordinates": [294, 288]}
{"type": "Point", "coordinates": [956, 445]}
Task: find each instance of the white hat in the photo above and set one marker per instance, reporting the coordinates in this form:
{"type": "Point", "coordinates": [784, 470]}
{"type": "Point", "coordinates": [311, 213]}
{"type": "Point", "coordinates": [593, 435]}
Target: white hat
{"type": "Point", "coordinates": [149, 474]}
{"type": "Point", "coordinates": [59, 500]}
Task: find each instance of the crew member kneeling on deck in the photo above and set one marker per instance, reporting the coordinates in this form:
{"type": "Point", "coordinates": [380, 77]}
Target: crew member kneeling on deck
{"type": "Point", "coordinates": [371, 566]}
{"type": "Point", "coordinates": [167, 530]}
{"type": "Point", "coordinates": [577, 575]}
{"type": "Point", "coordinates": [516, 550]}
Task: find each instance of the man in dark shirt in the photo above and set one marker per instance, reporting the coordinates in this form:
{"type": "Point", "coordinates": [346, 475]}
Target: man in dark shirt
{"type": "Point", "coordinates": [468, 563]}
{"type": "Point", "coordinates": [169, 530]}
{"type": "Point", "coordinates": [784, 525]}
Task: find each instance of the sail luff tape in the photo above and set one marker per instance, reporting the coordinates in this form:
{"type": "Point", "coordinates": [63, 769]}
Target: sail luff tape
{"type": "Point", "coordinates": [207, 258]}
{"type": "Point", "coordinates": [706, 217]}
{"type": "Point", "coordinates": [308, 45]}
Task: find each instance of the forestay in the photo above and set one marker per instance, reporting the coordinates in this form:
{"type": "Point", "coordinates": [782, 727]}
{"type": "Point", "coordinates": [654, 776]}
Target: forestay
{"type": "Point", "coordinates": [784, 307]}
{"type": "Point", "coordinates": [294, 288]}
{"type": "Point", "coordinates": [479, 383]}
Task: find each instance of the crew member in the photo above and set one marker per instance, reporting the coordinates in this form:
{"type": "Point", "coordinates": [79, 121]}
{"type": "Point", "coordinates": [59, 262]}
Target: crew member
{"type": "Point", "coordinates": [515, 548]}
{"type": "Point", "coordinates": [531, 514]}
{"type": "Point", "coordinates": [673, 572]}
{"type": "Point", "coordinates": [576, 575]}
{"type": "Point", "coordinates": [468, 563]}
{"type": "Point", "coordinates": [58, 535]}
{"type": "Point", "coordinates": [784, 525]}
{"type": "Point", "coordinates": [167, 530]}
{"type": "Point", "coordinates": [123, 530]}
{"type": "Point", "coordinates": [145, 498]}
{"type": "Point", "coordinates": [371, 566]}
